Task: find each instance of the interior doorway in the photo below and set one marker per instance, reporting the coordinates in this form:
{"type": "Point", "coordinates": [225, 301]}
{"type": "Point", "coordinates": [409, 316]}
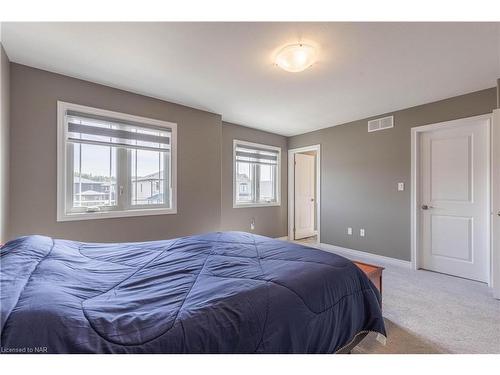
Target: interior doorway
{"type": "Point", "coordinates": [304, 194]}
{"type": "Point", "coordinates": [451, 197]}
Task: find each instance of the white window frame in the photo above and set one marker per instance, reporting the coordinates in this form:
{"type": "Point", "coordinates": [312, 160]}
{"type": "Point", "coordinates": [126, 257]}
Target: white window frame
{"type": "Point", "coordinates": [278, 175]}
{"type": "Point", "coordinates": [64, 181]}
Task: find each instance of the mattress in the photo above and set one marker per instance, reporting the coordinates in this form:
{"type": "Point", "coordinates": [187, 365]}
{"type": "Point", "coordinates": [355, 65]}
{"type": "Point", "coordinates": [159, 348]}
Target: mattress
{"type": "Point", "coordinates": [223, 292]}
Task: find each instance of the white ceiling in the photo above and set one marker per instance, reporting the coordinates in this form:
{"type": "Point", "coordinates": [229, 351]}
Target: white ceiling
{"type": "Point", "coordinates": [364, 69]}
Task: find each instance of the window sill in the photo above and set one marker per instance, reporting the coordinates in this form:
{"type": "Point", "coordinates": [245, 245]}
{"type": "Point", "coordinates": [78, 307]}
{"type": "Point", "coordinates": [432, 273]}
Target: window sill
{"type": "Point", "coordinates": [249, 205]}
{"type": "Point", "coordinates": [115, 214]}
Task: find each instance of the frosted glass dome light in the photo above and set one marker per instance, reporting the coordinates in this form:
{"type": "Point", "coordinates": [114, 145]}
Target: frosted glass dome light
{"type": "Point", "coordinates": [296, 57]}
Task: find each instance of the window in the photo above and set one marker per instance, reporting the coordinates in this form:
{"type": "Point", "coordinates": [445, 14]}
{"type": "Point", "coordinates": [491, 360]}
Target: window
{"type": "Point", "coordinates": [256, 175]}
{"type": "Point", "coordinates": [112, 164]}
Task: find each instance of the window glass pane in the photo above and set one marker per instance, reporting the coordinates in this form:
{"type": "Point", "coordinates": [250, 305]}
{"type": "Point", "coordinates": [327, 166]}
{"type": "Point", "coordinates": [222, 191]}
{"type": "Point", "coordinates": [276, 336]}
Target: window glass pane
{"type": "Point", "coordinates": [149, 177]}
{"type": "Point", "coordinates": [267, 183]}
{"type": "Point", "coordinates": [245, 182]}
{"type": "Point", "coordinates": [94, 176]}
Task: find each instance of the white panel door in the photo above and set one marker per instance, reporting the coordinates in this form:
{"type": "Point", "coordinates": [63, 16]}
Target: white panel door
{"type": "Point", "coordinates": [454, 201]}
{"type": "Point", "coordinates": [304, 196]}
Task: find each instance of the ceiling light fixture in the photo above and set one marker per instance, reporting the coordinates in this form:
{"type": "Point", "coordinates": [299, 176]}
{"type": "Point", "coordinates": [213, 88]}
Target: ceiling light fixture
{"type": "Point", "coordinates": [296, 57]}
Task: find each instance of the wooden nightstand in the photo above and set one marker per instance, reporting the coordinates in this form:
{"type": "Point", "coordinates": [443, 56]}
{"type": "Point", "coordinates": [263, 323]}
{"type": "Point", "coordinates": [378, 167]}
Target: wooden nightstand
{"type": "Point", "coordinates": [374, 273]}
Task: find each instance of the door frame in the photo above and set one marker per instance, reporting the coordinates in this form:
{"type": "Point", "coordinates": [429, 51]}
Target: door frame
{"type": "Point", "coordinates": [495, 203]}
{"type": "Point", "coordinates": [291, 187]}
{"type": "Point", "coordinates": [416, 133]}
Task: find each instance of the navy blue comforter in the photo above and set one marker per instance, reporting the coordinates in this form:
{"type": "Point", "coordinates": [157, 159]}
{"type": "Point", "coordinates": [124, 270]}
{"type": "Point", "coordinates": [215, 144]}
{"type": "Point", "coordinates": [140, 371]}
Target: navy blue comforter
{"type": "Point", "coordinates": [227, 292]}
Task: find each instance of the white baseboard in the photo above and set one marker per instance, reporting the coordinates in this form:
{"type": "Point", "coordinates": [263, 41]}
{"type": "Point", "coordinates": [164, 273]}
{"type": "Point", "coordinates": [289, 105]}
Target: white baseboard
{"type": "Point", "coordinates": [352, 254]}
{"type": "Point", "coordinates": [363, 256]}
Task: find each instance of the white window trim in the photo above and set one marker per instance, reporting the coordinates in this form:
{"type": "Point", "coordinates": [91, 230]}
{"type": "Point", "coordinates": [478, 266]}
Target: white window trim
{"type": "Point", "coordinates": [278, 176]}
{"type": "Point", "coordinates": [62, 177]}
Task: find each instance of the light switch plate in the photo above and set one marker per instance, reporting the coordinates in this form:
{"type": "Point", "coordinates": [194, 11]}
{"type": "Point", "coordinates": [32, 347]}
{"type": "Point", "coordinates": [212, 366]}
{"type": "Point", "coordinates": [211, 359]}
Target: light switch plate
{"type": "Point", "coordinates": [401, 186]}
{"type": "Point", "coordinates": [362, 232]}
{"type": "Point", "coordinates": [349, 231]}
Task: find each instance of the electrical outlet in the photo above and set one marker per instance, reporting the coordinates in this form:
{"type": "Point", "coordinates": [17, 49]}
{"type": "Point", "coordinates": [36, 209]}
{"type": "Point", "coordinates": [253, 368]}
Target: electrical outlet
{"type": "Point", "coordinates": [349, 231]}
{"type": "Point", "coordinates": [252, 224]}
{"type": "Point", "coordinates": [362, 232]}
{"type": "Point", "coordinates": [401, 186]}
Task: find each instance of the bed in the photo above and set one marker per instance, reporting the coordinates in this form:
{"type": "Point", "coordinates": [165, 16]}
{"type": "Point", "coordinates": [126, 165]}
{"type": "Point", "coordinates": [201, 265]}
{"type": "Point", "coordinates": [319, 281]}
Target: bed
{"type": "Point", "coordinates": [223, 292]}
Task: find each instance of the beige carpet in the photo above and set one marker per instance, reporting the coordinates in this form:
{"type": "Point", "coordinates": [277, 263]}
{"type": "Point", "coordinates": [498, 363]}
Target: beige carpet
{"type": "Point", "coordinates": [399, 341]}
{"type": "Point", "coordinates": [428, 312]}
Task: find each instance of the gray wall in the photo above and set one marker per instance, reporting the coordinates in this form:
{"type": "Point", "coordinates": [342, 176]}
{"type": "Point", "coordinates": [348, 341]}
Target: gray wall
{"type": "Point", "coordinates": [360, 170]}
{"type": "Point", "coordinates": [269, 221]}
{"type": "Point", "coordinates": [34, 94]}
{"type": "Point", "coordinates": [4, 144]}
{"type": "Point", "coordinates": [204, 150]}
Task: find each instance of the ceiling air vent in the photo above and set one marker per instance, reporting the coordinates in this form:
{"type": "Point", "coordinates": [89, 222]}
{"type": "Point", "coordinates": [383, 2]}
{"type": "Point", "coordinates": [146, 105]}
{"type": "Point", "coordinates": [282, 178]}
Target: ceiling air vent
{"type": "Point", "coordinates": [380, 124]}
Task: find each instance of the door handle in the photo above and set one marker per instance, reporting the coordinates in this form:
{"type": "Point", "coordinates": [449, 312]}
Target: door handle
{"type": "Point", "coordinates": [426, 207]}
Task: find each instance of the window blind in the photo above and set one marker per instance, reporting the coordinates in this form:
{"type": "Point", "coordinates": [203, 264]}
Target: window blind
{"type": "Point", "coordinates": [82, 128]}
{"type": "Point", "coordinates": [256, 155]}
